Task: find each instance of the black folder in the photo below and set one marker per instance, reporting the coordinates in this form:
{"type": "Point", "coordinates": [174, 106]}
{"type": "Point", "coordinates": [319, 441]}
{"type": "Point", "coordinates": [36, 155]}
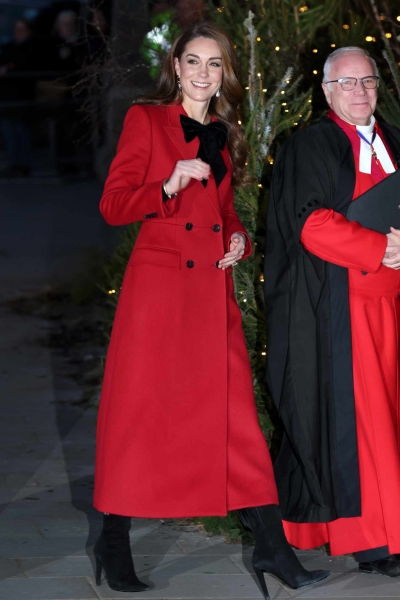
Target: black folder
{"type": "Point", "coordinates": [379, 208]}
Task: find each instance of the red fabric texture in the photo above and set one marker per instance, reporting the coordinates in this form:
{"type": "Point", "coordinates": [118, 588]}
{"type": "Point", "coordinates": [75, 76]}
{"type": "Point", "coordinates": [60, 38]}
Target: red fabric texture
{"type": "Point", "coordinates": [375, 314]}
{"type": "Point", "coordinates": [178, 433]}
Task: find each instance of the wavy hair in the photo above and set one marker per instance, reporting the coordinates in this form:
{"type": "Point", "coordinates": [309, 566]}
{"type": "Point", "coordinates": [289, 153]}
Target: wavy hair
{"type": "Point", "coordinates": [225, 108]}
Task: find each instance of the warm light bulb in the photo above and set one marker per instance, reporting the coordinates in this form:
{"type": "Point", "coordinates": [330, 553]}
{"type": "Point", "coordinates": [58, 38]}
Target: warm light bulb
{"type": "Point", "coordinates": [388, 35]}
{"type": "Point", "coordinates": [240, 122]}
{"type": "Point", "coordinates": [315, 50]}
{"type": "Point", "coordinates": [346, 26]}
{"type": "Point", "coordinates": [258, 39]}
{"type": "Point", "coordinates": [315, 72]}
{"type": "Point", "coordinates": [333, 45]}
{"type": "Point", "coordinates": [277, 48]}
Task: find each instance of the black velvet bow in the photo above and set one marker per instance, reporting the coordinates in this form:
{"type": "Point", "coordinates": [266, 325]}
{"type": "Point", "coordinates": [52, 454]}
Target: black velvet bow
{"type": "Point", "coordinates": [213, 139]}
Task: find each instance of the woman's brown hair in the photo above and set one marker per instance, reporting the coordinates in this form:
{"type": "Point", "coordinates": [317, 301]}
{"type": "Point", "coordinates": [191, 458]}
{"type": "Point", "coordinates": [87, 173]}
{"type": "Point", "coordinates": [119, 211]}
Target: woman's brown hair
{"type": "Point", "coordinates": [224, 108]}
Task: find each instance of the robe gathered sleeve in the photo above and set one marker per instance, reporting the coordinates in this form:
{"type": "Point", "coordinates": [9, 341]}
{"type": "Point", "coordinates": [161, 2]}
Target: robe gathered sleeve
{"type": "Point", "coordinates": [330, 236]}
{"type": "Point", "coordinates": [232, 224]}
{"type": "Point", "coordinates": [126, 197]}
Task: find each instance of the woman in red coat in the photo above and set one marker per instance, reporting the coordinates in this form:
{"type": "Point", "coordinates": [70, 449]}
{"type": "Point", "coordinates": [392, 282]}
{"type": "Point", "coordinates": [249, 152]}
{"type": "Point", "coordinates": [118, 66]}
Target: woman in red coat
{"type": "Point", "coordinates": [178, 433]}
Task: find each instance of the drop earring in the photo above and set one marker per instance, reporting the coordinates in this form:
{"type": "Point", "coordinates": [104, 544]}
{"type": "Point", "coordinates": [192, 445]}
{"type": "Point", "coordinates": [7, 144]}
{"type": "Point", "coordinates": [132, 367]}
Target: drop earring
{"type": "Point", "coordinates": [179, 83]}
{"type": "Point", "coordinates": [217, 95]}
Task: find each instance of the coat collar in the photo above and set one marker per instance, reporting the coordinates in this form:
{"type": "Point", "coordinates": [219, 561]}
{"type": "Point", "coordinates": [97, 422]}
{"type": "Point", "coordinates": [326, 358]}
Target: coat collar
{"type": "Point", "coordinates": [189, 151]}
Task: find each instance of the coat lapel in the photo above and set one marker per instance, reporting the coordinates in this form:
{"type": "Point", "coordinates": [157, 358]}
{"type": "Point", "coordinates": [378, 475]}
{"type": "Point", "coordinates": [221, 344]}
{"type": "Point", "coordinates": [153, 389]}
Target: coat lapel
{"type": "Point", "coordinates": [189, 151]}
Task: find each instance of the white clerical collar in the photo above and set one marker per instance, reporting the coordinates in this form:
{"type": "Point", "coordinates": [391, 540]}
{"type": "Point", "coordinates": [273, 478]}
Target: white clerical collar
{"type": "Point", "coordinates": [367, 128]}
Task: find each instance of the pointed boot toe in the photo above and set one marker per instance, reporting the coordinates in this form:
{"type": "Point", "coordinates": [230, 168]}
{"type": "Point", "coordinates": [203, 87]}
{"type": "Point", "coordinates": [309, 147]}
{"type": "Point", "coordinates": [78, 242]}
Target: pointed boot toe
{"type": "Point", "coordinates": [310, 577]}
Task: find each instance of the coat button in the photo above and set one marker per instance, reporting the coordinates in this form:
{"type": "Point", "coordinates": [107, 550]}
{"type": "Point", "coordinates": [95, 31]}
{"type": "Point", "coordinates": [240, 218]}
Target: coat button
{"type": "Point", "coordinates": [190, 264]}
{"type": "Point", "coordinates": [217, 264]}
{"type": "Point", "coordinates": [189, 226]}
{"type": "Point", "coordinates": [154, 215]}
{"type": "Point", "coordinates": [216, 228]}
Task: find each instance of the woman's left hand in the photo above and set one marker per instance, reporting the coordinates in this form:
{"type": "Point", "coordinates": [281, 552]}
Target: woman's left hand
{"type": "Point", "coordinates": [236, 251]}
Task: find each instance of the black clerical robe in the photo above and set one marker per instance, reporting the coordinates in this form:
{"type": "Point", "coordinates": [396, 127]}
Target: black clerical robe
{"type": "Point", "coordinates": [308, 321]}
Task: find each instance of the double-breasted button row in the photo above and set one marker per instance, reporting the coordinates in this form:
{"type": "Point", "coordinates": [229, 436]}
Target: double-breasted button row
{"type": "Point", "coordinates": [216, 228]}
{"type": "Point", "coordinates": [151, 216]}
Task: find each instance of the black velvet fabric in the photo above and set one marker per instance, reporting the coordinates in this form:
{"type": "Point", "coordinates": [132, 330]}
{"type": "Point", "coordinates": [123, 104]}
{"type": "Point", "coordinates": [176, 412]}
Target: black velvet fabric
{"type": "Point", "coordinates": [113, 554]}
{"type": "Point", "coordinates": [213, 138]}
{"type": "Point", "coordinates": [272, 552]}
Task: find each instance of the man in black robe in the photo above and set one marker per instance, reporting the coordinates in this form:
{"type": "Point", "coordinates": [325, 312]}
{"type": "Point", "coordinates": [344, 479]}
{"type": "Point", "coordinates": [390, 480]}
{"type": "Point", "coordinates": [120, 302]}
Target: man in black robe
{"type": "Point", "coordinates": [312, 253]}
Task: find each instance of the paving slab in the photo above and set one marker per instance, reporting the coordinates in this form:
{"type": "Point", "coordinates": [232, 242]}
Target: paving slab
{"type": "Point", "coordinates": [10, 569]}
{"type": "Point", "coordinates": [66, 566]}
{"type": "Point", "coordinates": [348, 585]}
{"type": "Point", "coordinates": [197, 587]}
{"type": "Point", "coordinates": [57, 588]}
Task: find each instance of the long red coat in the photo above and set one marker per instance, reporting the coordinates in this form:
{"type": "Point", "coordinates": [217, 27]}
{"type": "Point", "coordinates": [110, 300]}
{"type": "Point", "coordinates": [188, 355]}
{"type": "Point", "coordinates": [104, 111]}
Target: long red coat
{"type": "Point", "coordinates": [178, 433]}
{"type": "Point", "coordinates": [375, 318]}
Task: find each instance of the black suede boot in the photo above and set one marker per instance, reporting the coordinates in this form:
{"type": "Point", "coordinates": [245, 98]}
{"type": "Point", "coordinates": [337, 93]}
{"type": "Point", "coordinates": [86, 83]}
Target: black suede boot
{"type": "Point", "coordinates": [112, 552]}
{"type": "Point", "coordinates": [273, 553]}
{"type": "Point", "coordinates": [389, 566]}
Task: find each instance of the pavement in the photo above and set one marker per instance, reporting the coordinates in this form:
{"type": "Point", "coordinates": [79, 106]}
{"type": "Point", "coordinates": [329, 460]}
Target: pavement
{"type": "Point", "coordinates": [47, 523]}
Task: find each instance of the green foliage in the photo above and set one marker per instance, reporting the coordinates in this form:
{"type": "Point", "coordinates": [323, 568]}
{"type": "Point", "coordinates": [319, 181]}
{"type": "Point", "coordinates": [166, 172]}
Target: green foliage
{"type": "Point", "coordinates": [230, 526]}
{"type": "Point", "coordinates": [159, 40]}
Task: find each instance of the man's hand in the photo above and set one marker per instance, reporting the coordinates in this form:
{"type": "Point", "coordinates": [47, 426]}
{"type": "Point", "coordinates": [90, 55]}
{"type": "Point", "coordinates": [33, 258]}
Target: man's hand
{"type": "Point", "coordinates": [391, 258]}
{"type": "Point", "coordinates": [236, 251]}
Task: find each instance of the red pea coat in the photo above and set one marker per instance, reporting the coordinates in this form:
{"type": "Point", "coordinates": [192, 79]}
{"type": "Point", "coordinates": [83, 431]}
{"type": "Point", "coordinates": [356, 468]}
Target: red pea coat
{"type": "Point", "coordinates": [178, 432]}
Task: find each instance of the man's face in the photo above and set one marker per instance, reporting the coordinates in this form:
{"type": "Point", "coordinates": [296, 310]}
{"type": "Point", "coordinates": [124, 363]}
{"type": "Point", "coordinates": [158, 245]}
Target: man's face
{"type": "Point", "coordinates": [355, 106]}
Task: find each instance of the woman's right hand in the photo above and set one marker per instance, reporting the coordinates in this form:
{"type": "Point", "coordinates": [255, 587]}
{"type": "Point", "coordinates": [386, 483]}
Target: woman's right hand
{"type": "Point", "coordinates": [184, 171]}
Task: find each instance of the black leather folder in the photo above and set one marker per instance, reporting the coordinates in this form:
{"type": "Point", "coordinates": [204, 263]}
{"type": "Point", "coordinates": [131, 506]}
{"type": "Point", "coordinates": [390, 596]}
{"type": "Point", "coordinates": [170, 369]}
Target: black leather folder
{"type": "Point", "coordinates": [379, 208]}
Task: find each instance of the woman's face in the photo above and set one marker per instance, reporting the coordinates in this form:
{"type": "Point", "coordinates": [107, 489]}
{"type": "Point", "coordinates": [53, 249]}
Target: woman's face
{"type": "Point", "coordinates": [200, 69]}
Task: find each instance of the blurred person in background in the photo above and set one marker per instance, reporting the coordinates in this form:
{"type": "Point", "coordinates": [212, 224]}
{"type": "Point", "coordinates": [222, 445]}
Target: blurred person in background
{"type": "Point", "coordinates": [68, 56]}
{"type": "Point", "coordinates": [17, 90]}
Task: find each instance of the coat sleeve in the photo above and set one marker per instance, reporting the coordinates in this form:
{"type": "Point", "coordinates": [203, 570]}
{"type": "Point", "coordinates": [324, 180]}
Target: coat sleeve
{"type": "Point", "coordinates": [232, 224]}
{"type": "Point", "coordinates": [126, 198]}
{"type": "Point", "coordinates": [330, 236]}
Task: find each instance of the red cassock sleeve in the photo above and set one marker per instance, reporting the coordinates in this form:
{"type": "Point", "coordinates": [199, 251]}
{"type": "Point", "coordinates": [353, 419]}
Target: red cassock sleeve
{"type": "Point", "coordinates": [232, 224]}
{"type": "Point", "coordinates": [126, 198]}
{"type": "Point", "coordinates": [330, 236]}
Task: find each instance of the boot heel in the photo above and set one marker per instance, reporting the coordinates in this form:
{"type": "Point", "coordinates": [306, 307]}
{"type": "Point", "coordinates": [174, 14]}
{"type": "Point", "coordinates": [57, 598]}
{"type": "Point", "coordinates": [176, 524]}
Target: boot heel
{"type": "Point", "coordinates": [99, 568]}
{"type": "Point", "coordinates": [260, 576]}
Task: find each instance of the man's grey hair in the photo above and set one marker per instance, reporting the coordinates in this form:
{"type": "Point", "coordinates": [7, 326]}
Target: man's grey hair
{"type": "Point", "coordinates": [346, 50]}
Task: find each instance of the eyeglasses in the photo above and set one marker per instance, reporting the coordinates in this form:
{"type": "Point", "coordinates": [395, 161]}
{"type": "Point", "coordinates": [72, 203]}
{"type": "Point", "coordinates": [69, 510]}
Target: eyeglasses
{"type": "Point", "coordinates": [349, 83]}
